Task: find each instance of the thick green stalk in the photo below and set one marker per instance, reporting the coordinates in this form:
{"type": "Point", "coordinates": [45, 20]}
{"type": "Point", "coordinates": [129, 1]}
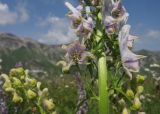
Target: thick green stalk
{"type": "Point", "coordinates": [103, 89]}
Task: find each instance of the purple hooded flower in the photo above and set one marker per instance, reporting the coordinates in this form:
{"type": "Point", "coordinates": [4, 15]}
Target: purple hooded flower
{"type": "Point", "coordinates": [115, 16]}
{"type": "Point", "coordinates": [75, 13]}
{"type": "Point", "coordinates": [85, 27]}
{"type": "Point", "coordinates": [76, 54]}
{"type": "Point", "coordinates": [129, 59]}
{"type": "Point", "coordinates": [82, 26]}
{"type": "Point", "coordinates": [110, 25]}
{"type": "Point", "coordinates": [118, 10]}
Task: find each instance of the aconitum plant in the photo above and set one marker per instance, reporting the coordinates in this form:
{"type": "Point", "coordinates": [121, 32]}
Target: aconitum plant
{"type": "Point", "coordinates": [104, 51]}
{"type": "Point", "coordinates": [25, 94]}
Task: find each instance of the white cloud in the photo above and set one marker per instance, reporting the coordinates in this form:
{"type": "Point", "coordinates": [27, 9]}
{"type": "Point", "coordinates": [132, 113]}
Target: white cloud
{"type": "Point", "coordinates": [23, 12]}
{"type": "Point", "coordinates": [11, 17]}
{"type": "Point", "coordinates": [59, 31]}
{"type": "Point", "coordinates": [149, 40]}
{"type": "Point", "coordinates": [7, 16]}
{"type": "Point", "coordinates": [154, 34]}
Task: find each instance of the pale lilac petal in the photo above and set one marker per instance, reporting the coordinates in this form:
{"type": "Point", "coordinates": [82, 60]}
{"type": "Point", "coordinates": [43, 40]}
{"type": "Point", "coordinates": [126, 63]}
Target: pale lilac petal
{"type": "Point", "coordinates": [132, 65]}
{"type": "Point", "coordinates": [129, 59]}
{"type": "Point", "coordinates": [109, 21]}
{"type": "Point", "coordinates": [88, 24]}
{"type": "Point", "coordinates": [72, 9]}
{"type": "Point", "coordinates": [85, 27]}
{"type": "Point", "coordinates": [108, 6]}
{"type": "Point", "coordinates": [79, 30]}
{"type": "Point", "coordinates": [131, 40]}
{"type": "Point", "coordinates": [79, 8]}
{"type": "Point", "coordinates": [110, 25]}
{"type": "Point", "coordinates": [75, 13]}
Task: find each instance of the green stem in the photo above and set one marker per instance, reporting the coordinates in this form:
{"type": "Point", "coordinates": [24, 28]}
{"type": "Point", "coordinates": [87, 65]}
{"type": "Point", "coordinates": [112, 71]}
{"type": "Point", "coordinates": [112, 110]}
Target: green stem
{"type": "Point", "coordinates": [121, 92]}
{"type": "Point", "coordinates": [40, 108]}
{"type": "Point", "coordinates": [103, 89]}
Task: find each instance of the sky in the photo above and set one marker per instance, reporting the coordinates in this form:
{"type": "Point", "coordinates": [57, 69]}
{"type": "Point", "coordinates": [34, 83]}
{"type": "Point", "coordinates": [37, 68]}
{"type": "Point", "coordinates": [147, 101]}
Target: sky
{"type": "Point", "coordinates": [46, 21]}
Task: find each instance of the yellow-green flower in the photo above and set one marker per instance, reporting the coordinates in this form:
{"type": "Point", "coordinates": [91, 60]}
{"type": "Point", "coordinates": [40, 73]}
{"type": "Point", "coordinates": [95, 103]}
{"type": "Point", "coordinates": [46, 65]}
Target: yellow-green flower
{"type": "Point", "coordinates": [130, 93]}
{"type": "Point", "coordinates": [54, 112]}
{"type": "Point", "coordinates": [16, 82]}
{"type": "Point", "coordinates": [125, 111]}
{"type": "Point", "coordinates": [30, 82]}
{"type": "Point", "coordinates": [122, 102]}
{"type": "Point", "coordinates": [17, 72]}
{"type": "Point", "coordinates": [140, 89]}
{"type": "Point", "coordinates": [7, 84]}
{"type": "Point", "coordinates": [31, 94]}
{"type": "Point", "coordinates": [10, 89]}
{"type": "Point", "coordinates": [137, 103]}
{"type": "Point", "coordinates": [48, 104]}
{"type": "Point", "coordinates": [16, 98]}
{"type": "Point", "coordinates": [140, 78]}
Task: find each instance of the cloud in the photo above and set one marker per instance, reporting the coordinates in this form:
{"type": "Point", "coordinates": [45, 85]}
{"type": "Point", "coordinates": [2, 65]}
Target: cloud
{"type": "Point", "coordinates": [11, 17]}
{"type": "Point", "coordinates": [7, 16]}
{"type": "Point", "coordinates": [149, 40]}
{"type": "Point", "coordinates": [59, 31]}
{"type": "Point", "coordinates": [23, 12]}
{"type": "Point", "coordinates": [154, 34]}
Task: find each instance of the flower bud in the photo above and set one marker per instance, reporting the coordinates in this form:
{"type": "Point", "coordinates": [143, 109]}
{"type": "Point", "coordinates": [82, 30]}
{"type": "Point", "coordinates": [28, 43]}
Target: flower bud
{"type": "Point", "coordinates": [122, 102]}
{"type": "Point", "coordinates": [140, 89]}
{"type": "Point", "coordinates": [140, 78]}
{"type": "Point", "coordinates": [137, 103]}
{"type": "Point", "coordinates": [125, 111]}
{"type": "Point", "coordinates": [38, 85]}
{"type": "Point", "coordinates": [44, 92]}
{"type": "Point", "coordinates": [5, 77]}
{"type": "Point", "coordinates": [16, 98]}
{"type": "Point", "coordinates": [65, 69]}
{"type": "Point", "coordinates": [31, 94]}
{"type": "Point", "coordinates": [130, 93]}
{"type": "Point", "coordinates": [48, 104]}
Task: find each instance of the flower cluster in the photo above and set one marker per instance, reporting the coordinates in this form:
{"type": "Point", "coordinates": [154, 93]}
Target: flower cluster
{"type": "Point", "coordinates": [135, 95]}
{"type": "Point", "coordinates": [115, 23]}
{"type": "Point", "coordinates": [25, 90]}
{"type": "Point", "coordinates": [82, 24]}
{"type": "Point", "coordinates": [115, 16]}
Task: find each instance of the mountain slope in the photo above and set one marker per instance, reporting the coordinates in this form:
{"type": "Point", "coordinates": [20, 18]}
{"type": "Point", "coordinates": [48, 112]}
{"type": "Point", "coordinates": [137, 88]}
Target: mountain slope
{"type": "Point", "coordinates": [39, 57]}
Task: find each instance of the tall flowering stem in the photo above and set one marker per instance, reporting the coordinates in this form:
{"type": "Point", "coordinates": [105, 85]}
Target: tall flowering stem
{"type": "Point", "coordinates": [103, 93]}
{"type": "Point", "coordinates": [105, 48]}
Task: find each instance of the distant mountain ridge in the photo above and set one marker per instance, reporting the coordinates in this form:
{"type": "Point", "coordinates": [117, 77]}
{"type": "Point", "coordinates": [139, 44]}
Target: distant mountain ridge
{"type": "Point", "coordinates": [41, 58]}
{"type": "Point", "coordinates": [32, 54]}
